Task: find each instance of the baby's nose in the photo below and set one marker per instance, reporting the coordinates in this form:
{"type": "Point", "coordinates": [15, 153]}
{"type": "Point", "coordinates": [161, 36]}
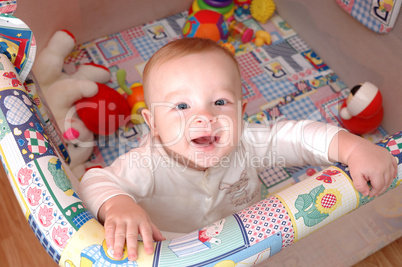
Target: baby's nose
{"type": "Point", "coordinates": [200, 119]}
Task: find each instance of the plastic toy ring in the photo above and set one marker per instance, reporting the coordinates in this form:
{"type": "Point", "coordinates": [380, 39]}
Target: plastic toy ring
{"type": "Point", "coordinates": [195, 8]}
{"type": "Point", "coordinates": [217, 3]}
{"type": "Point", "coordinates": [222, 10]}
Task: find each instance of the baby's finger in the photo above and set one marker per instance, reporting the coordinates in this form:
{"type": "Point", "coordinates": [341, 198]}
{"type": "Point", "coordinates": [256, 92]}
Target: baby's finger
{"type": "Point", "coordinates": [360, 184]}
{"type": "Point", "coordinates": [119, 240]}
{"type": "Point", "coordinates": [378, 186]}
{"type": "Point", "coordinates": [132, 243]}
{"type": "Point", "coordinates": [157, 235]}
{"type": "Point", "coordinates": [395, 165]}
{"type": "Point", "coordinates": [391, 175]}
{"type": "Point", "coordinates": [387, 183]}
{"type": "Point", "coordinates": [146, 234]}
{"type": "Point", "coordinates": [109, 234]}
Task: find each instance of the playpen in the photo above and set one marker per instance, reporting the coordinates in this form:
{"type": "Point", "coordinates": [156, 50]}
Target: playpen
{"type": "Point", "coordinates": [350, 54]}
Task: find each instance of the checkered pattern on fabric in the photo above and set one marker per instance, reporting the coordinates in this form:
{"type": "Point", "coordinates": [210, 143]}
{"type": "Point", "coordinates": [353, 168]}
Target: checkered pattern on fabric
{"type": "Point", "coordinates": [111, 150]}
{"type": "Point", "coordinates": [135, 32]}
{"type": "Point", "coordinates": [316, 116]}
{"type": "Point", "coordinates": [297, 44]}
{"type": "Point", "coordinates": [266, 218]}
{"type": "Point", "coordinates": [249, 65]}
{"type": "Point", "coordinates": [331, 110]}
{"type": "Point", "coordinates": [247, 90]}
{"type": "Point", "coordinates": [17, 112]}
{"type": "Point", "coordinates": [272, 90]}
{"type": "Point", "coordinates": [298, 110]}
{"type": "Point", "coordinates": [361, 11]}
{"type": "Point", "coordinates": [395, 145]}
{"type": "Point", "coordinates": [43, 239]}
{"type": "Point", "coordinates": [96, 56]}
{"type": "Point", "coordinates": [37, 144]}
{"type": "Point", "coordinates": [328, 201]}
{"type": "Point", "coordinates": [82, 218]}
{"type": "Point", "coordinates": [272, 176]}
{"type": "Point", "coordinates": [147, 47]}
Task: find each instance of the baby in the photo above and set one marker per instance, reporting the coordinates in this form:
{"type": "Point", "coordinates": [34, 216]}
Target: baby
{"type": "Point", "coordinates": [200, 161]}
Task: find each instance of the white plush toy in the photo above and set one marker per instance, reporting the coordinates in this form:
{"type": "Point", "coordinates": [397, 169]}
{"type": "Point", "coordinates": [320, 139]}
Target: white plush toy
{"type": "Point", "coordinates": [61, 91]}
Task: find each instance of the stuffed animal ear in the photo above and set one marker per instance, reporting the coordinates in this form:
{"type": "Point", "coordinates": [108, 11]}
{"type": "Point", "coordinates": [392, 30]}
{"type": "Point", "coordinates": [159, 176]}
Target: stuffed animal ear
{"type": "Point", "coordinates": [48, 64]}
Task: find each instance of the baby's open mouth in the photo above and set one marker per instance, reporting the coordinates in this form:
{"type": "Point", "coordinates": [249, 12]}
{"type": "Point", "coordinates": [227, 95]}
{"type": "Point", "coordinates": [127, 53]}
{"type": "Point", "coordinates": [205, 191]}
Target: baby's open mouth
{"type": "Point", "coordinates": [205, 140]}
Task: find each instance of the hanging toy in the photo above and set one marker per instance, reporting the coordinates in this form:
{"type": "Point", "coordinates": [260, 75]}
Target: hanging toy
{"type": "Point", "coordinates": [362, 111]}
{"type": "Point", "coordinates": [135, 97]}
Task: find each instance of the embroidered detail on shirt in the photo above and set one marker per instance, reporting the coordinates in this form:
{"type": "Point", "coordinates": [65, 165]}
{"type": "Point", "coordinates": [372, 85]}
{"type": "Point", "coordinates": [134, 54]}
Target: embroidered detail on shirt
{"type": "Point", "coordinates": [237, 192]}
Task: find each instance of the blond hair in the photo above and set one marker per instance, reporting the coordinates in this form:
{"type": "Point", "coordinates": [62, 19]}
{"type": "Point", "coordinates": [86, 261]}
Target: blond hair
{"type": "Point", "coordinates": [180, 48]}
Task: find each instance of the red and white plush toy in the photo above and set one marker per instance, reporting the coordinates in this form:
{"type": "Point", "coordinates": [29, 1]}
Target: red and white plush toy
{"type": "Point", "coordinates": [97, 101]}
{"type": "Point", "coordinates": [362, 111]}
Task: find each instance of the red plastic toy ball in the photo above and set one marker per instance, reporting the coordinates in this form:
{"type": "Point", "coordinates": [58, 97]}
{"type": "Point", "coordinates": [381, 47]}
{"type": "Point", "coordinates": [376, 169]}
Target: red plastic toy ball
{"type": "Point", "coordinates": [206, 24]}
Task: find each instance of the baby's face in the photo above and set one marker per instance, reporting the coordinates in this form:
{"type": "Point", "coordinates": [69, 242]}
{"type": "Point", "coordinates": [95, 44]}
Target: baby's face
{"type": "Point", "coordinates": [196, 107]}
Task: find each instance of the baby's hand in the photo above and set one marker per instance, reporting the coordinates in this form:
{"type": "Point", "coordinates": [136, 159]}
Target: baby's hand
{"type": "Point", "coordinates": [123, 221]}
{"type": "Point", "coordinates": [369, 162]}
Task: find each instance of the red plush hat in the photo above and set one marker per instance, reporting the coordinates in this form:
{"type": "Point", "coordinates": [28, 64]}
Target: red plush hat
{"type": "Point", "coordinates": [362, 112]}
{"type": "Point", "coordinates": [365, 101]}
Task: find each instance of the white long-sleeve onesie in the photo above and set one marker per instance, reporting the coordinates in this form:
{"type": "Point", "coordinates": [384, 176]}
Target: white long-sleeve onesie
{"type": "Point", "coordinates": [180, 199]}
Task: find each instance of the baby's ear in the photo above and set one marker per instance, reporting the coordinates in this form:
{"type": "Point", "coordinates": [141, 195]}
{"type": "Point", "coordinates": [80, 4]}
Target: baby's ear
{"type": "Point", "coordinates": [243, 107]}
{"type": "Point", "coordinates": [149, 120]}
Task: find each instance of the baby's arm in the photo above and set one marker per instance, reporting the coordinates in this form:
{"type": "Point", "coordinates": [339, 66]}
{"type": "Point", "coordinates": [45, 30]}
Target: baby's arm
{"type": "Point", "coordinates": [366, 161]}
{"type": "Point", "coordinates": [124, 220]}
{"type": "Point", "coordinates": [111, 194]}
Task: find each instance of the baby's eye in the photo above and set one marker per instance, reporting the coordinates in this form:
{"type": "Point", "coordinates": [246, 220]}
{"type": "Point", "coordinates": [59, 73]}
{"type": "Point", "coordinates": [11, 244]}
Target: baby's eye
{"type": "Point", "coordinates": [220, 102]}
{"type": "Point", "coordinates": [182, 106]}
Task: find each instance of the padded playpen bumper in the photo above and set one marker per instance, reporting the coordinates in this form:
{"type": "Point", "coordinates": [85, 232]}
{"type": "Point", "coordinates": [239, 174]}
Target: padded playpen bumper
{"type": "Point", "coordinates": [72, 237]}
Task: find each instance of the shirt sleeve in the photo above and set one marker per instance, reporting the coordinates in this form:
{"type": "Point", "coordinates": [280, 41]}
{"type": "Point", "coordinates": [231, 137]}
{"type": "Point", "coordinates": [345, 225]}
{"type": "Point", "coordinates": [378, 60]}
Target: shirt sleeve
{"type": "Point", "coordinates": [129, 175]}
{"type": "Point", "coordinates": [290, 143]}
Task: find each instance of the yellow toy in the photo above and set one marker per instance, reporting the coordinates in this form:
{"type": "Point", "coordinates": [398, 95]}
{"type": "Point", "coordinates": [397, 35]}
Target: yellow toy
{"type": "Point", "coordinates": [262, 10]}
{"type": "Point", "coordinates": [262, 37]}
{"type": "Point", "coordinates": [230, 47]}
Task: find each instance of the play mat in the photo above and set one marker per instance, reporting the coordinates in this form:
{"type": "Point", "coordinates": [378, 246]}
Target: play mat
{"type": "Point", "coordinates": [284, 80]}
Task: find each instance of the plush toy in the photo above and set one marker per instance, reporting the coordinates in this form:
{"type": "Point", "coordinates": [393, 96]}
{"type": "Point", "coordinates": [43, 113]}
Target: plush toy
{"type": "Point", "coordinates": [62, 92]}
{"type": "Point", "coordinates": [104, 112]}
{"type": "Point", "coordinates": [362, 111]}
